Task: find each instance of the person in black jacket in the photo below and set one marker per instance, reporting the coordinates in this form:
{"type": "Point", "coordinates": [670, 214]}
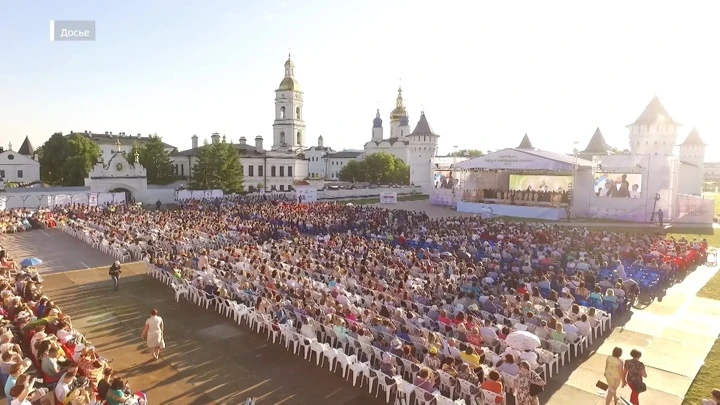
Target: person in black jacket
{"type": "Point", "coordinates": [115, 274]}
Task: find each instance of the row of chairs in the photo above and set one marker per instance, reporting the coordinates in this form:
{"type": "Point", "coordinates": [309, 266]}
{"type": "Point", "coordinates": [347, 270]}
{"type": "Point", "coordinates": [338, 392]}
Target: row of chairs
{"type": "Point", "coordinates": [308, 348]}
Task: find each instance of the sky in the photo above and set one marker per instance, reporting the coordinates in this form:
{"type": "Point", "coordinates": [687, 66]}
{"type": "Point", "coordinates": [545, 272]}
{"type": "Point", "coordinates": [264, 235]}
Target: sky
{"type": "Point", "coordinates": [485, 73]}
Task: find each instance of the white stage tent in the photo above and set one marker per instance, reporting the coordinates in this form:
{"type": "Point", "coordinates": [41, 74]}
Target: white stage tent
{"type": "Point", "coordinates": [514, 159]}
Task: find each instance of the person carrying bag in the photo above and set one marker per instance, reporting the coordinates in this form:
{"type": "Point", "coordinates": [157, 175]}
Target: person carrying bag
{"type": "Point", "coordinates": [634, 374]}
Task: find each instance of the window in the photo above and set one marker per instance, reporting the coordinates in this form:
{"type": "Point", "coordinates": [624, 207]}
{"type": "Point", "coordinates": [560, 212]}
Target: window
{"type": "Point", "coordinates": [242, 170]}
{"type": "Point", "coordinates": [182, 169]}
{"type": "Point", "coordinates": [282, 137]}
{"type": "Point", "coordinates": [2, 174]}
{"type": "Point", "coordinates": [282, 187]}
{"type": "Point", "coordinates": [299, 138]}
{"type": "Point", "coordinates": [272, 171]}
{"type": "Point", "coordinates": [11, 157]}
{"type": "Point", "coordinates": [282, 171]}
{"type": "Point", "coordinates": [251, 169]}
{"type": "Point", "coordinates": [20, 174]}
{"type": "Point", "coordinates": [282, 113]}
{"type": "Point", "coordinates": [261, 169]}
{"type": "Point", "coordinates": [290, 171]}
{"type": "Point", "coordinates": [297, 113]}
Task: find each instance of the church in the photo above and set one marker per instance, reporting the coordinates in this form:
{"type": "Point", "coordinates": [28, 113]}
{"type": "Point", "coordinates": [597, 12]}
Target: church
{"type": "Point", "coordinates": [278, 168]}
{"type": "Point", "coordinates": [417, 147]}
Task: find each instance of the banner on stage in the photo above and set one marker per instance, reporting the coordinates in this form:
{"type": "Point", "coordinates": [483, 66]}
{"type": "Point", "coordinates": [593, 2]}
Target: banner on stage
{"type": "Point", "coordinates": [444, 200]}
{"type": "Point", "coordinates": [694, 209]}
{"type": "Point", "coordinates": [199, 194]}
{"type": "Point", "coordinates": [388, 197]}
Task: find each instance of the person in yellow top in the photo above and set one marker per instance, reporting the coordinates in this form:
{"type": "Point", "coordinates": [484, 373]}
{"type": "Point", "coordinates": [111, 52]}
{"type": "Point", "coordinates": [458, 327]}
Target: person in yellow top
{"type": "Point", "coordinates": [471, 357]}
{"type": "Point", "coordinates": [614, 374]}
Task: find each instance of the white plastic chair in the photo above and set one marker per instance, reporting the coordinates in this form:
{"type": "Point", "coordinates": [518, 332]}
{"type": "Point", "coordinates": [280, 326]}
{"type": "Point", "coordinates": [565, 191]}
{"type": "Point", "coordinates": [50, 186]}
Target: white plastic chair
{"type": "Point", "coordinates": [344, 361]}
{"type": "Point", "coordinates": [490, 398]}
{"type": "Point", "coordinates": [180, 291]}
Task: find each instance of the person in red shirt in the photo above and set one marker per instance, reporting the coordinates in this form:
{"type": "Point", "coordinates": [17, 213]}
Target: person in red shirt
{"type": "Point", "coordinates": [442, 318]}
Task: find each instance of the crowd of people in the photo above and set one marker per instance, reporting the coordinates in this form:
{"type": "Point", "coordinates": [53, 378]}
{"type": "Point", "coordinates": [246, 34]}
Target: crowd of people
{"type": "Point", "coordinates": [518, 197]}
{"type": "Point", "coordinates": [44, 359]}
{"type": "Point", "coordinates": [21, 220]}
{"type": "Point", "coordinates": [454, 307]}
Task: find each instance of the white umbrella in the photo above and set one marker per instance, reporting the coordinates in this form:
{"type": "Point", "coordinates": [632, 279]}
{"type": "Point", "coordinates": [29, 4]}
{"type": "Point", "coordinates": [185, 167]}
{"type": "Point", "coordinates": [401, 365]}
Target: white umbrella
{"type": "Point", "coordinates": [522, 340]}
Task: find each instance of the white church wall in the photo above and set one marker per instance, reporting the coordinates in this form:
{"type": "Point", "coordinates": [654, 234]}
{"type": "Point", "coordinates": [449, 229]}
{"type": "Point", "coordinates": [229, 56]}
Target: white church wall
{"type": "Point", "coordinates": [364, 192]}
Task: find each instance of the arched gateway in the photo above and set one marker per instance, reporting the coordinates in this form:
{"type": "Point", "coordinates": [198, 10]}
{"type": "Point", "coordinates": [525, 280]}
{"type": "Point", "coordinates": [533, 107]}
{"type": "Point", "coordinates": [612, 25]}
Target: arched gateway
{"type": "Point", "coordinates": [119, 175]}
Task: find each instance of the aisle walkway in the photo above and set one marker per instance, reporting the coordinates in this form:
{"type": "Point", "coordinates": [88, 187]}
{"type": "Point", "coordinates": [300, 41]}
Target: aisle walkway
{"type": "Point", "coordinates": [209, 359]}
{"type": "Point", "coordinates": [674, 335]}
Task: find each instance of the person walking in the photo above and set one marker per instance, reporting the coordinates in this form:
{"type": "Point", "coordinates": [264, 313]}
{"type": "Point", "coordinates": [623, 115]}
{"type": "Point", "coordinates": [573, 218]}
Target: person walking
{"type": "Point", "coordinates": [634, 374]}
{"type": "Point", "coordinates": [614, 374]}
{"type": "Point", "coordinates": [115, 274]}
{"type": "Point", "coordinates": [525, 379]}
{"type": "Point", "coordinates": [153, 332]}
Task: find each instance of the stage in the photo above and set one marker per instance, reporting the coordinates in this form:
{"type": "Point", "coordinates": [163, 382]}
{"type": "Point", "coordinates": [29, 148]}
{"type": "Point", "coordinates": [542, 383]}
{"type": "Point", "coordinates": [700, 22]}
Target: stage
{"type": "Point", "coordinates": [518, 211]}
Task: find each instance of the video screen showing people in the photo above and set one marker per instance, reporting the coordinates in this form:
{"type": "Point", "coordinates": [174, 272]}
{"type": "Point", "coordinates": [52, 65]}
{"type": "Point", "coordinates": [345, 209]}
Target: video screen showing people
{"type": "Point", "coordinates": [542, 183]}
{"type": "Point", "coordinates": [444, 180]}
{"type": "Point", "coordinates": [620, 185]}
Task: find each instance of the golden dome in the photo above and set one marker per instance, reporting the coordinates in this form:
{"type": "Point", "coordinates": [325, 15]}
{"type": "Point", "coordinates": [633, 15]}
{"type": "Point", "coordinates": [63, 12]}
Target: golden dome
{"type": "Point", "coordinates": [289, 83]}
{"type": "Point", "coordinates": [399, 110]}
{"type": "Point", "coordinates": [398, 113]}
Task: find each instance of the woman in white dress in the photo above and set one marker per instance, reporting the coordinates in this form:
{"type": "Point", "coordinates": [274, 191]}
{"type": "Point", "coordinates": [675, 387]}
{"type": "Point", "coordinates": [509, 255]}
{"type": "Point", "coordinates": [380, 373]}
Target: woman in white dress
{"type": "Point", "coordinates": [153, 331]}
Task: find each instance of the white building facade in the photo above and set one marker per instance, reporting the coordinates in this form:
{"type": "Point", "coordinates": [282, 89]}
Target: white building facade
{"type": "Point", "coordinates": [276, 169]}
{"type": "Point", "coordinates": [17, 168]}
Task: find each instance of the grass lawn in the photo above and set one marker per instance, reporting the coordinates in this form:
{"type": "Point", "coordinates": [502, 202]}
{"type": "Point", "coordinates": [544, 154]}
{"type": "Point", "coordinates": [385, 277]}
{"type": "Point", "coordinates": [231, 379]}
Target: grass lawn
{"type": "Point", "coordinates": [707, 379]}
{"type": "Point", "coordinates": [709, 376]}
{"type": "Point", "coordinates": [376, 200]}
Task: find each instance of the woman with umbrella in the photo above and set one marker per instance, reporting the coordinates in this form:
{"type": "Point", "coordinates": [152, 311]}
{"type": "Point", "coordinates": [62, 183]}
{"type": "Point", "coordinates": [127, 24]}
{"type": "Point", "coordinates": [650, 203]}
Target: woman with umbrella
{"type": "Point", "coordinates": [28, 267]}
{"type": "Point", "coordinates": [526, 343]}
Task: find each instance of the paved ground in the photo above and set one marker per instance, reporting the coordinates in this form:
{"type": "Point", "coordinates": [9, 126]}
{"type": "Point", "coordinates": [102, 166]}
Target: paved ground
{"type": "Point", "coordinates": [208, 360]}
{"type": "Point", "coordinates": [674, 334]}
{"type": "Point", "coordinates": [58, 250]}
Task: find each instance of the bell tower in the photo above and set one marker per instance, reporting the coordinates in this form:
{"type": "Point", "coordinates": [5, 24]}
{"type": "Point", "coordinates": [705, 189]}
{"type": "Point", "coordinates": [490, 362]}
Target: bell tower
{"type": "Point", "coordinates": [289, 126]}
{"type": "Point", "coordinates": [399, 123]}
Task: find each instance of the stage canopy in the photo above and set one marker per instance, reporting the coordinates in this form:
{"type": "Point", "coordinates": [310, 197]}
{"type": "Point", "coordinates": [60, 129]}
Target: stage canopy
{"type": "Point", "coordinates": [525, 159]}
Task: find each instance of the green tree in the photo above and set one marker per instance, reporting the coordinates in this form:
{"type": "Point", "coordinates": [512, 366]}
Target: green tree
{"type": "Point", "coordinates": [156, 160]}
{"type": "Point", "coordinates": [130, 156]}
{"type": "Point", "coordinates": [376, 168]}
{"type": "Point", "coordinates": [352, 171]}
{"type": "Point", "coordinates": [67, 160]}
{"type": "Point", "coordinates": [473, 153]}
{"type": "Point", "coordinates": [51, 156]}
{"type": "Point", "coordinates": [217, 166]}
{"type": "Point", "coordinates": [379, 167]}
{"type": "Point", "coordinates": [401, 173]}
